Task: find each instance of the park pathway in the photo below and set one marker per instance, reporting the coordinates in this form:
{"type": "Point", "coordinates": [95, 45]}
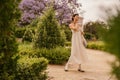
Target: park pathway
{"type": "Point", "coordinates": [98, 68]}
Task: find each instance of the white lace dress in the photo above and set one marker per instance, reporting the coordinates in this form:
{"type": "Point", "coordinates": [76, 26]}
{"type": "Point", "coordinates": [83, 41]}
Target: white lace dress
{"type": "Point", "coordinates": [78, 50]}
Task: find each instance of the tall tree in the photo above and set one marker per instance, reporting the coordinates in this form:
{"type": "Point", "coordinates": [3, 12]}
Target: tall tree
{"type": "Point", "coordinates": [48, 34]}
{"type": "Point", "coordinates": [8, 46]}
{"type": "Point", "coordinates": [33, 8]}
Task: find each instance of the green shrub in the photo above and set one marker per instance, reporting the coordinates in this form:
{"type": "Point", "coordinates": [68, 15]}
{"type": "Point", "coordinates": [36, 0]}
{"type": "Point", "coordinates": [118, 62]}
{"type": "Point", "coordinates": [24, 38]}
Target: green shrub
{"type": "Point", "coordinates": [28, 35]}
{"type": "Point", "coordinates": [68, 33]}
{"type": "Point", "coordinates": [91, 28]}
{"type": "Point", "coordinates": [49, 34]}
{"type": "Point", "coordinates": [19, 32]}
{"type": "Point", "coordinates": [89, 36]}
{"type": "Point", "coordinates": [98, 45]}
{"type": "Point", "coordinates": [57, 55]}
{"type": "Point", "coordinates": [111, 36]}
{"type": "Point", "coordinates": [8, 45]}
{"type": "Point", "coordinates": [31, 69]}
{"type": "Point", "coordinates": [68, 44]}
{"type": "Point", "coordinates": [25, 48]}
{"type": "Point", "coordinates": [7, 68]}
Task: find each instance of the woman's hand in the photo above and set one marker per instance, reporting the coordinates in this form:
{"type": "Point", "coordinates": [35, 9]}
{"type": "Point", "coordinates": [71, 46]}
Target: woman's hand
{"type": "Point", "coordinates": [82, 33]}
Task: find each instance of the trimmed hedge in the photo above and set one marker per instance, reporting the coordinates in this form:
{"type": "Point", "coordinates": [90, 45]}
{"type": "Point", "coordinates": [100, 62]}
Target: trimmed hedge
{"type": "Point", "coordinates": [31, 68]}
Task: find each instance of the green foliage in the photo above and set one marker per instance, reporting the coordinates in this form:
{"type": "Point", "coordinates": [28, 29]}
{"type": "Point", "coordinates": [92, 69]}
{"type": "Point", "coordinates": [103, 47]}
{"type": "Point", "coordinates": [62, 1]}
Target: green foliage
{"type": "Point", "coordinates": [19, 32]}
{"type": "Point", "coordinates": [31, 68]}
{"type": "Point", "coordinates": [68, 44]}
{"type": "Point", "coordinates": [34, 23]}
{"type": "Point", "coordinates": [112, 40]}
{"type": "Point", "coordinates": [7, 68]}
{"type": "Point", "coordinates": [8, 45]}
{"type": "Point", "coordinates": [116, 70]}
{"type": "Point", "coordinates": [68, 33]}
{"type": "Point", "coordinates": [58, 55]}
{"type": "Point", "coordinates": [91, 29]}
{"type": "Point", "coordinates": [98, 45]}
{"type": "Point", "coordinates": [48, 34]}
{"type": "Point", "coordinates": [28, 35]}
{"type": "Point", "coordinates": [89, 36]}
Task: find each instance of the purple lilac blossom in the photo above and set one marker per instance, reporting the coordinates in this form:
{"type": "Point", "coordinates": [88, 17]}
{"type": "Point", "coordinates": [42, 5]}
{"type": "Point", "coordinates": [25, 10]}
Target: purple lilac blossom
{"type": "Point", "coordinates": [33, 8]}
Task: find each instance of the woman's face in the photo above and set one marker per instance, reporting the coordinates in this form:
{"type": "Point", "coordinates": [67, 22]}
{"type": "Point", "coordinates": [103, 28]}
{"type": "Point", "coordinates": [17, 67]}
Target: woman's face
{"type": "Point", "coordinates": [76, 18]}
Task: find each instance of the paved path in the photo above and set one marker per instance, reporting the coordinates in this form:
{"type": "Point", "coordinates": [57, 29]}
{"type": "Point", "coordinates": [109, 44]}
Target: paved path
{"type": "Point", "coordinates": [98, 68]}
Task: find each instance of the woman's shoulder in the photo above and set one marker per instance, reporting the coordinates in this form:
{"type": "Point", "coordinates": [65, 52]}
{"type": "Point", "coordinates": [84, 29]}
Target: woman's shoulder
{"type": "Point", "coordinates": [71, 24]}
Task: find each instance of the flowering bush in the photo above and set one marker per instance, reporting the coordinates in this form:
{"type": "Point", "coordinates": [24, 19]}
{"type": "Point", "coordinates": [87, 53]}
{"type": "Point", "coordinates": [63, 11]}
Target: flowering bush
{"type": "Point", "coordinates": [33, 8]}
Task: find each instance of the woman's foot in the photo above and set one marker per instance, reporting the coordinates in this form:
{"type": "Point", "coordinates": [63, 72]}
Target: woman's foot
{"type": "Point", "coordinates": [79, 69]}
{"type": "Point", "coordinates": [66, 68]}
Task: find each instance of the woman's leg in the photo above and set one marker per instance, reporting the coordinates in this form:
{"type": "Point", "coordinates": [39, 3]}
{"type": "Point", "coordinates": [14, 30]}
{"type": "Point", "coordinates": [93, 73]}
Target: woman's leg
{"type": "Point", "coordinates": [79, 69]}
{"type": "Point", "coordinates": [66, 66]}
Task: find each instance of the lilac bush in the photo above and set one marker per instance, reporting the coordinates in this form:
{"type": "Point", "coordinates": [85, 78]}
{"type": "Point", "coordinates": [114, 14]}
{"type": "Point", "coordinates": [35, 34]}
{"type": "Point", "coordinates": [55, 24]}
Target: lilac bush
{"type": "Point", "coordinates": [34, 8]}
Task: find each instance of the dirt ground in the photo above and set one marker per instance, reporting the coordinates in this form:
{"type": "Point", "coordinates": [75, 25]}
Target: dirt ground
{"type": "Point", "coordinates": [98, 68]}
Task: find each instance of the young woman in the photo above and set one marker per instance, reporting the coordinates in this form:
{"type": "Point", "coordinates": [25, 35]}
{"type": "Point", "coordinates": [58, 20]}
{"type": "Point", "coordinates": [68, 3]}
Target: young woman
{"type": "Point", "coordinates": [78, 51]}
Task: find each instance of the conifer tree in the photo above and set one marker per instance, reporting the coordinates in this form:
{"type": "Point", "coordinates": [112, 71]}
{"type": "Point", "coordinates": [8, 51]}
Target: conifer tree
{"type": "Point", "coordinates": [8, 45]}
{"type": "Point", "coordinates": [49, 34]}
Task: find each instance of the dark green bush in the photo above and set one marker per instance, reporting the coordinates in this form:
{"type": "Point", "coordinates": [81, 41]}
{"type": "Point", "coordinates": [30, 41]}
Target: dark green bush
{"type": "Point", "coordinates": [111, 36]}
{"type": "Point", "coordinates": [31, 68]}
{"type": "Point", "coordinates": [92, 29]}
{"type": "Point", "coordinates": [89, 36]}
{"type": "Point", "coordinates": [28, 35]}
{"type": "Point", "coordinates": [8, 45]}
{"type": "Point", "coordinates": [19, 32]}
{"type": "Point", "coordinates": [57, 55]}
{"type": "Point", "coordinates": [49, 34]}
{"type": "Point", "coordinates": [68, 33]}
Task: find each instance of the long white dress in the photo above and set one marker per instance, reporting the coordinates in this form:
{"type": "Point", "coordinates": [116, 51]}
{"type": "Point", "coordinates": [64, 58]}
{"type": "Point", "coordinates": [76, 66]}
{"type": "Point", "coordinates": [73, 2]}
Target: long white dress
{"type": "Point", "coordinates": [78, 50]}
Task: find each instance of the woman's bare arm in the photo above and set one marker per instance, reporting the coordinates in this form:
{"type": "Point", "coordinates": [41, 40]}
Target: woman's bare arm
{"type": "Point", "coordinates": [72, 27]}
